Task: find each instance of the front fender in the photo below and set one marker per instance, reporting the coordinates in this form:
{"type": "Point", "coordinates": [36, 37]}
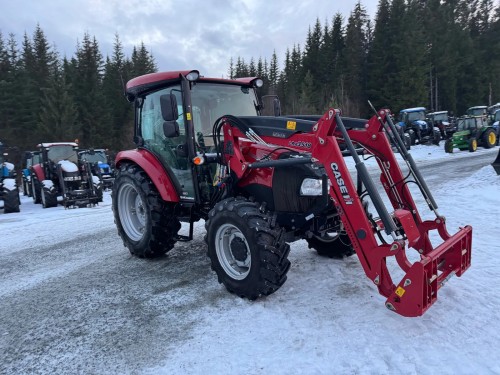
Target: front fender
{"type": "Point", "coordinates": [153, 169]}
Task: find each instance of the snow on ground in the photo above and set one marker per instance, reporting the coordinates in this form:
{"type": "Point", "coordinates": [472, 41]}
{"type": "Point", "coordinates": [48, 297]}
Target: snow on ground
{"type": "Point", "coordinates": [328, 318]}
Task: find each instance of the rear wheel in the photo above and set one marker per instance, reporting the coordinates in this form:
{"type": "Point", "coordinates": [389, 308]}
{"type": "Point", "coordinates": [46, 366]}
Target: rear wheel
{"type": "Point", "coordinates": [145, 222]}
{"type": "Point", "coordinates": [472, 144]}
{"type": "Point", "coordinates": [332, 246]}
{"type": "Point", "coordinates": [247, 251]}
{"type": "Point", "coordinates": [489, 138]}
{"type": "Point", "coordinates": [448, 146]}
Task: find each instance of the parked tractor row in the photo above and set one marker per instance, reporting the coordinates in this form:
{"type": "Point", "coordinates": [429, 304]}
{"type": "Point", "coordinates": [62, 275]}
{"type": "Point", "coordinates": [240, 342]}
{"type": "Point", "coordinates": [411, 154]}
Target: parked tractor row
{"type": "Point", "coordinates": [60, 172]}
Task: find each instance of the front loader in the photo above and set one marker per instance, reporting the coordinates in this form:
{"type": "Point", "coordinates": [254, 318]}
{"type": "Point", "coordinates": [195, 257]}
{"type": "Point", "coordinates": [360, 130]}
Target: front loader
{"type": "Point", "coordinates": [204, 151]}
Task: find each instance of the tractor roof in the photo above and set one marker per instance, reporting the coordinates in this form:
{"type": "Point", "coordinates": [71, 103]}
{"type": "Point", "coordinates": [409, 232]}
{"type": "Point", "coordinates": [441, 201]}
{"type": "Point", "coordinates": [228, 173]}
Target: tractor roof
{"type": "Point", "coordinates": [148, 82]}
{"type": "Point", "coordinates": [437, 113]}
{"type": "Point", "coordinates": [51, 144]}
{"type": "Point", "coordinates": [478, 107]}
{"type": "Point", "coordinates": [415, 109]}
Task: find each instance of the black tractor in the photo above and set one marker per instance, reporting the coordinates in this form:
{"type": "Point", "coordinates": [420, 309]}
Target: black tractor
{"type": "Point", "coordinates": [60, 173]}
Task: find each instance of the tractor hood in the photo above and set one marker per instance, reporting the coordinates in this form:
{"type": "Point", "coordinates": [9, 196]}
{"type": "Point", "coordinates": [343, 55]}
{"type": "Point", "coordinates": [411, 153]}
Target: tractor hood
{"type": "Point", "coordinates": [100, 164]}
{"type": "Point", "coordinates": [420, 123]}
{"type": "Point", "coordinates": [9, 166]}
{"type": "Point", "coordinates": [461, 133]}
{"type": "Point", "coordinates": [68, 166]}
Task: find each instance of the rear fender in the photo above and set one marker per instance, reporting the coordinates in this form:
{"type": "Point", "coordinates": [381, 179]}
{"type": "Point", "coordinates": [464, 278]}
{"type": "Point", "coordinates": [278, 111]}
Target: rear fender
{"type": "Point", "coordinates": [153, 168]}
{"type": "Point", "coordinates": [38, 172]}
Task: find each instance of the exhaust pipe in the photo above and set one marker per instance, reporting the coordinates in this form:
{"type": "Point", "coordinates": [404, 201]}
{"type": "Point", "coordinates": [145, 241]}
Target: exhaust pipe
{"type": "Point", "coordinates": [496, 164]}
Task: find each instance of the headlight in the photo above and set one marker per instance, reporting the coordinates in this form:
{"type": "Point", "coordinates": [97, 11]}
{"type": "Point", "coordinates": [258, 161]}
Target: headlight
{"type": "Point", "coordinates": [312, 187]}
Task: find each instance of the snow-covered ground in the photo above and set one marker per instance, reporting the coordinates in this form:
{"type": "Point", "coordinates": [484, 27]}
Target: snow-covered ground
{"type": "Point", "coordinates": [328, 318]}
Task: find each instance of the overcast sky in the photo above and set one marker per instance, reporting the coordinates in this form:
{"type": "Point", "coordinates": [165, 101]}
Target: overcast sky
{"type": "Point", "coordinates": [182, 34]}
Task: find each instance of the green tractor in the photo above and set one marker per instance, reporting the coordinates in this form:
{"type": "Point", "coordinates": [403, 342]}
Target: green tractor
{"type": "Point", "coordinates": [472, 131]}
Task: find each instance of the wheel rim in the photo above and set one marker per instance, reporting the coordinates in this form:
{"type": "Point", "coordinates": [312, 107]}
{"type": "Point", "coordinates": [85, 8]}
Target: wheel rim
{"type": "Point", "coordinates": [329, 237]}
{"type": "Point", "coordinates": [132, 212]}
{"type": "Point", "coordinates": [233, 251]}
{"type": "Point", "coordinates": [474, 144]}
{"type": "Point", "coordinates": [492, 138]}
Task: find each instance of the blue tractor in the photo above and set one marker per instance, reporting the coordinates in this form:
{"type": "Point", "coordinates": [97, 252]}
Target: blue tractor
{"type": "Point", "coordinates": [101, 168]}
{"type": "Point", "coordinates": [413, 122]}
{"type": "Point", "coordinates": [9, 191]}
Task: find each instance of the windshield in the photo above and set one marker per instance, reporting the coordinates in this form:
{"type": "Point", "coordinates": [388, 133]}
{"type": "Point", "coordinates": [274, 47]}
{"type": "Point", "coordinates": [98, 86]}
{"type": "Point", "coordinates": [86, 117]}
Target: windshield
{"type": "Point", "coordinates": [469, 123]}
{"type": "Point", "coordinates": [62, 152]}
{"type": "Point", "coordinates": [98, 156]}
{"type": "Point", "coordinates": [440, 117]}
{"type": "Point", "coordinates": [497, 116]}
{"type": "Point", "coordinates": [476, 111]}
{"type": "Point", "coordinates": [413, 116]}
{"type": "Point", "coordinates": [211, 101]}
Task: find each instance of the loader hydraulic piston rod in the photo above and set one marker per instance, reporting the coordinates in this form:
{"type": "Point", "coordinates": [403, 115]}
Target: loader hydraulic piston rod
{"type": "Point", "coordinates": [414, 170]}
{"type": "Point", "coordinates": [281, 162]}
{"type": "Point", "coordinates": [389, 226]}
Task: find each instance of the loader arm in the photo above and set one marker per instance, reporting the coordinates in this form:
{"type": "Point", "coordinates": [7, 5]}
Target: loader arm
{"type": "Point", "coordinates": [417, 290]}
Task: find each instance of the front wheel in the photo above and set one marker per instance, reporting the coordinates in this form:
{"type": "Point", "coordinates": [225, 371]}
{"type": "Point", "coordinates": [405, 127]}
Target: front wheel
{"type": "Point", "coordinates": [10, 200]}
{"type": "Point", "coordinates": [144, 221]}
{"type": "Point", "coordinates": [247, 251]}
{"type": "Point", "coordinates": [49, 197]}
{"type": "Point", "coordinates": [472, 144]}
{"type": "Point", "coordinates": [448, 146]}
{"type": "Point", "coordinates": [36, 190]}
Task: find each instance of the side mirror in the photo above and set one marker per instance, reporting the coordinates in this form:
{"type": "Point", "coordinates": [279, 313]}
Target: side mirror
{"type": "Point", "coordinates": [168, 103]}
{"type": "Point", "coordinates": [171, 129]}
{"type": "Point", "coordinates": [271, 106]}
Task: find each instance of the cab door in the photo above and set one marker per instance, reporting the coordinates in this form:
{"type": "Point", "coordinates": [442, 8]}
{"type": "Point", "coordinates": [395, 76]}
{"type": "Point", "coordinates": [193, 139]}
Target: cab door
{"type": "Point", "coordinates": [171, 151]}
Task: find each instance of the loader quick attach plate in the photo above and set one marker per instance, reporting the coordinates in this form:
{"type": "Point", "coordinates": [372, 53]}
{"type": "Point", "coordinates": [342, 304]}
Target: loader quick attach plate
{"type": "Point", "coordinates": [417, 290]}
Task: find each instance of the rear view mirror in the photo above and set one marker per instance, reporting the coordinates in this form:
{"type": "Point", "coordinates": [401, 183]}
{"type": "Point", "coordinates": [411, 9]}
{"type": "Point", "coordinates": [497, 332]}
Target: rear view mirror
{"type": "Point", "coordinates": [168, 103]}
{"type": "Point", "coordinates": [171, 129]}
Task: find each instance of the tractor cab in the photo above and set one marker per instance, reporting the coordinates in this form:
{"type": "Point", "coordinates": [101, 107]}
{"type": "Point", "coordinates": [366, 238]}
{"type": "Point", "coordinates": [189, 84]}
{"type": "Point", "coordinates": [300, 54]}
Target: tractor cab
{"type": "Point", "coordinates": [442, 121]}
{"type": "Point", "coordinates": [175, 115]}
{"type": "Point", "coordinates": [478, 110]}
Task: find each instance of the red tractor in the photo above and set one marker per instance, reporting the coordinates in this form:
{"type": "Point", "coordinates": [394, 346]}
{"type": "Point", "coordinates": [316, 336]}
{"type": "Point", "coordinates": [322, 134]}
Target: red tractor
{"type": "Point", "coordinates": [205, 151]}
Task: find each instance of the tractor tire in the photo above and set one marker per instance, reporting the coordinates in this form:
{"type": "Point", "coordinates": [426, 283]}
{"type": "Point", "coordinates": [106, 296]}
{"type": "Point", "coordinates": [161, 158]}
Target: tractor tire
{"type": "Point", "coordinates": [472, 144]}
{"type": "Point", "coordinates": [98, 192]}
{"type": "Point", "coordinates": [25, 188]}
{"type": "Point", "coordinates": [336, 247]}
{"type": "Point", "coordinates": [48, 197]}
{"type": "Point", "coordinates": [413, 137]}
{"type": "Point", "coordinates": [145, 222]}
{"type": "Point", "coordinates": [246, 249]}
{"type": "Point", "coordinates": [448, 146]}
{"type": "Point", "coordinates": [489, 138]}
{"type": "Point", "coordinates": [36, 190]}
{"type": "Point", "coordinates": [10, 201]}
{"type": "Point", "coordinates": [436, 137]}
{"type": "Point", "coordinates": [407, 141]}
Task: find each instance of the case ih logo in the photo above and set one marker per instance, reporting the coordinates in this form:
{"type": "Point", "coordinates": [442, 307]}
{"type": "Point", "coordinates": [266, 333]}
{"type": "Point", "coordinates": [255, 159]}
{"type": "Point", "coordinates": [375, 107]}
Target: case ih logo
{"type": "Point", "coordinates": [300, 144]}
{"type": "Point", "coordinates": [340, 181]}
